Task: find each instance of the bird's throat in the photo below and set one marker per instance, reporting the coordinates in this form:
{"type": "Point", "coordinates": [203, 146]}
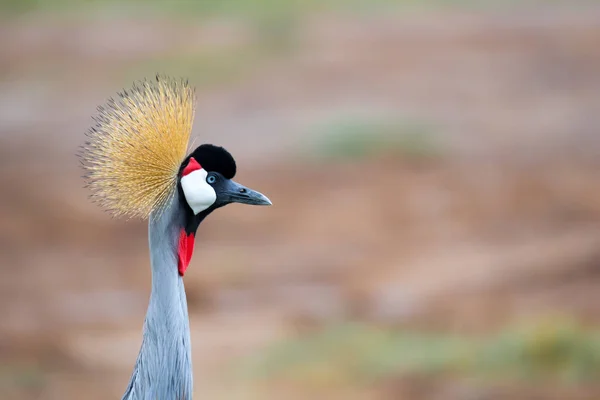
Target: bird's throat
{"type": "Point", "coordinates": [184, 251]}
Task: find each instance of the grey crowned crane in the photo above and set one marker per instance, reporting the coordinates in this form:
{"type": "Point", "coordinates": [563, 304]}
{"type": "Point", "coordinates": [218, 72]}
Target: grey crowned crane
{"type": "Point", "coordinates": [137, 164]}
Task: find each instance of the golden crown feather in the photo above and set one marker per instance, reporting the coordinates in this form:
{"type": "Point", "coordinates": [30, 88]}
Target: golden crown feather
{"type": "Point", "coordinates": [134, 151]}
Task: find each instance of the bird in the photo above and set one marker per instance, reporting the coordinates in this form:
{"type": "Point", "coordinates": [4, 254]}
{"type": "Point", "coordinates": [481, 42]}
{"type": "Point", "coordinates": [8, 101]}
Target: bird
{"type": "Point", "coordinates": [137, 164]}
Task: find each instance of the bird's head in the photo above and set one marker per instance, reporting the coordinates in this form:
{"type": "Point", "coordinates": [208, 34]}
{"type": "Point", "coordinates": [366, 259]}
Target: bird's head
{"type": "Point", "coordinates": [136, 160]}
{"type": "Point", "coordinates": [205, 181]}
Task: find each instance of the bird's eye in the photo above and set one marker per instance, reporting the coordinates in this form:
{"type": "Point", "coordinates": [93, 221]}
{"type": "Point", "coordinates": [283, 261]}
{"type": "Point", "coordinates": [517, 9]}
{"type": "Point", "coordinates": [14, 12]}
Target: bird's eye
{"type": "Point", "coordinates": [211, 179]}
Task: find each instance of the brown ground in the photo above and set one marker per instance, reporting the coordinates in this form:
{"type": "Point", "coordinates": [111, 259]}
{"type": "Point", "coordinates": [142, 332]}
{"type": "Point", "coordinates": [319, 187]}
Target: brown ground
{"type": "Point", "coordinates": [503, 227]}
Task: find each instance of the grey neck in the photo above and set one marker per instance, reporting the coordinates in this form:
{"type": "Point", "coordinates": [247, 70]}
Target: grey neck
{"type": "Point", "coordinates": [163, 369]}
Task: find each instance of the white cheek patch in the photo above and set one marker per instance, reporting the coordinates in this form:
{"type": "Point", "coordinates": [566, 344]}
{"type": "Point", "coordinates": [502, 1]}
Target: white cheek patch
{"type": "Point", "coordinates": [198, 193]}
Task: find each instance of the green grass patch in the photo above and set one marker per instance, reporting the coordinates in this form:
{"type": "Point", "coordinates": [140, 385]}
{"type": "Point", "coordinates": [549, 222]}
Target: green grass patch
{"type": "Point", "coordinates": [243, 8]}
{"type": "Point", "coordinates": [21, 377]}
{"type": "Point", "coordinates": [361, 139]}
{"type": "Point", "coordinates": [362, 354]}
{"type": "Point", "coordinates": [199, 8]}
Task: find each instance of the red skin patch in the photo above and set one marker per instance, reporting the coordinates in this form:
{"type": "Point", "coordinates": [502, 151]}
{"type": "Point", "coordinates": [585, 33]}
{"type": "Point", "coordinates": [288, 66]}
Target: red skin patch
{"type": "Point", "coordinates": [186, 248]}
{"type": "Point", "coordinates": [192, 166]}
{"type": "Point", "coordinates": [186, 242]}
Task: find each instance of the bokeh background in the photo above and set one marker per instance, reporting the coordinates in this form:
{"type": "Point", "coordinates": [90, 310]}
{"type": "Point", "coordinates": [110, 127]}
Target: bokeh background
{"type": "Point", "coordinates": [434, 169]}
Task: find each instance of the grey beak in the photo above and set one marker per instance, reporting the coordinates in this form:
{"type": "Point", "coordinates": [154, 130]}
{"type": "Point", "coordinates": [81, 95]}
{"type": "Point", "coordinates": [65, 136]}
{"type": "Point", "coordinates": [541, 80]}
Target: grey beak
{"type": "Point", "coordinates": [241, 194]}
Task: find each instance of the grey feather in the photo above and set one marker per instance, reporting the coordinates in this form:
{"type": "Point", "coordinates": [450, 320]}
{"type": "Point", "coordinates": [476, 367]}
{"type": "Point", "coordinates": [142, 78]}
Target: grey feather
{"type": "Point", "coordinates": [163, 369]}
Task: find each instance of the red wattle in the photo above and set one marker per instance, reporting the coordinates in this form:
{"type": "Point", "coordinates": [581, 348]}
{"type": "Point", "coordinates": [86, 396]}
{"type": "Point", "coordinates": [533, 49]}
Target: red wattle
{"type": "Point", "coordinates": [186, 248]}
{"type": "Point", "coordinates": [192, 166]}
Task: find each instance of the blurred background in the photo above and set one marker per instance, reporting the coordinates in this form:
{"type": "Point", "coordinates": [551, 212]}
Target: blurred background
{"type": "Point", "coordinates": [434, 171]}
